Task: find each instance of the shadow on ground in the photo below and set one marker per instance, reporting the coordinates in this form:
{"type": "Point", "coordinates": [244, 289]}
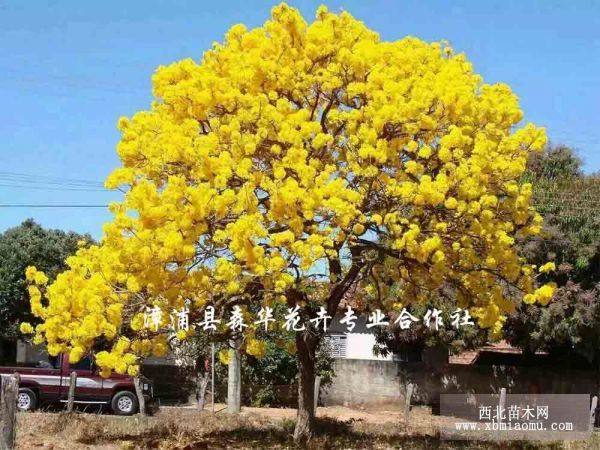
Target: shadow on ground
{"type": "Point", "coordinates": [335, 434]}
{"type": "Point", "coordinates": [191, 430]}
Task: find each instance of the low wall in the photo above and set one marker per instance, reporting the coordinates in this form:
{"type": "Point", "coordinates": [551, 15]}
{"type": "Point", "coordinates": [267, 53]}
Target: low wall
{"type": "Point", "coordinates": [363, 381]}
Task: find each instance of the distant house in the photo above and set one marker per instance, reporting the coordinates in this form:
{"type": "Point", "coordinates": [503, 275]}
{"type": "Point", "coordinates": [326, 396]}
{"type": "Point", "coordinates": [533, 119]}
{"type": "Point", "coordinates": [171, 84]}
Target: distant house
{"type": "Point", "coordinates": [494, 353]}
{"type": "Point", "coordinates": [357, 344]}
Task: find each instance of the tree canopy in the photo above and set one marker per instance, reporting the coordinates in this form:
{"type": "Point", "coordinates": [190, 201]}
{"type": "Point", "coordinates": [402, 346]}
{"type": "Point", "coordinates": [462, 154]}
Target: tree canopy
{"type": "Point", "coordinates": [570, 201]}
{"type": "Point", "coordinates": [29, 245]}
{"type": "Point", "coordinates": [297, 153]}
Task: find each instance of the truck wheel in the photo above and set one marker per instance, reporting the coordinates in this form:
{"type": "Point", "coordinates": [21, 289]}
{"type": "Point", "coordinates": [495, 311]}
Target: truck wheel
{"type": "Point", "coordinates": [124, 403]}
{"type": "Point", "coordinates": [26, 400]}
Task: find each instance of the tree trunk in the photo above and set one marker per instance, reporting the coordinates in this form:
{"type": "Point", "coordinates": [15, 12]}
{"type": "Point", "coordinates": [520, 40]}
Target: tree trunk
{"type": "Point", "coordinates": [305, 421]}
{"type": "Point", "coordinates": [234, 381]}
{"type": "Point", "coordinates": [201, 385]}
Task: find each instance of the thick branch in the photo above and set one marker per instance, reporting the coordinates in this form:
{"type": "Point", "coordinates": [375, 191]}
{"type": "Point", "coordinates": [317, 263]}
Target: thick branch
{"type": "Point", "coordinates": [341, 287]}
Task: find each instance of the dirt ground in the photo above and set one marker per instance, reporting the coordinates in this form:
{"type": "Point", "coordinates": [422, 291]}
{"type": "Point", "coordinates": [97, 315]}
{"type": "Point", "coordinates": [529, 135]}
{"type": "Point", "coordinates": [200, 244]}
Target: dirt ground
{"type": "Point", "coordinates": [374, 427]}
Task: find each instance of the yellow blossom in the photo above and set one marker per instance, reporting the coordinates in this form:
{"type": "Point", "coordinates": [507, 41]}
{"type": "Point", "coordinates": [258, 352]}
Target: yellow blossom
{"type": "Point", "coordinates": [26, 328]}
{"type": "Point", "coordinates": [548, 267]}
{"type": "Point", "coordinates": [260, 163]}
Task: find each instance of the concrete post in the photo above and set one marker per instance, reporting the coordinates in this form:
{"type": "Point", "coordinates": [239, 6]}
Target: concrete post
{"type": "Point", "coordinates": [317, 388]}
{"type": "Point", "coordinates": [71, 397]}
{"type": "Point", "coordinates": [8, 411]}
{"type": "Point", "coordinates": [212, 376]}
{"type": "Point", "coordinates": [501, 408]}
{"type": "Point", "coordinates": [140, 396]}
{"type": "Point", "coordinates": [407, 399]}
{"type": "Point", "coordinates": [502, 403]}
{"type": "Point", "coordinates": [593, 409]}
{"type": "Point", "coordinates": [234, 382]}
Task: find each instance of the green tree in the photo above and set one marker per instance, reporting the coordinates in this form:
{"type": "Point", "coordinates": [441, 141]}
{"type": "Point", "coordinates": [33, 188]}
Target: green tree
{"type": "Point", "coordinates": [569, 200]}
{"type": "Point", "coordinates": [557, 162]}
{"type": "Point", "coordinates": [29, 245]}
{"type": "Point", "coordinates": [419, 336]}
{"type": "Point", "coordinates": [275, 365]}
{"type": "Point", "coordinates": [568, 328]}
{"type": "Point", "coordinates": [262, 376]}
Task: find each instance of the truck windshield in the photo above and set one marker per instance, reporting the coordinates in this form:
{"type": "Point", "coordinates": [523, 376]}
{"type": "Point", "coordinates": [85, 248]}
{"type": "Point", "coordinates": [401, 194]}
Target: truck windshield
{"type": "Point", "coordinates": [83, 364]}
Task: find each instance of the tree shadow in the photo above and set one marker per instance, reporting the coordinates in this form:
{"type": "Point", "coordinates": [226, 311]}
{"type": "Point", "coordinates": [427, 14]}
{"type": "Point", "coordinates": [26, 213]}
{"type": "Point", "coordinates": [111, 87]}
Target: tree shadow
{"type": "Point", "coordinates": [335, 434]}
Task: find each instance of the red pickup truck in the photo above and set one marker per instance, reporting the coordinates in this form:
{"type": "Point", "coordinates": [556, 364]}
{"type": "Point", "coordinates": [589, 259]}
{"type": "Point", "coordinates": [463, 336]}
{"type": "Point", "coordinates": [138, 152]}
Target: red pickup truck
{"type": "Point", "coordinates": [48, 383]}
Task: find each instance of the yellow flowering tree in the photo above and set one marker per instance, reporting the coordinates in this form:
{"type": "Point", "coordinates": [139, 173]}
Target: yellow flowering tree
{"type": "Point", "coordinates": [297, 155]}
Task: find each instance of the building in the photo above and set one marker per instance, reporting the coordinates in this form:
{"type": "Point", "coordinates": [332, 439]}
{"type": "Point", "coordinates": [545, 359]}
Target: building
{"type": "Point", "coordinates": [358, 344]}
{"type": "Point", "coordinates": [368, 379]}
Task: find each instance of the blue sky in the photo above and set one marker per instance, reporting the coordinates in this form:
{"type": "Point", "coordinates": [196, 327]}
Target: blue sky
{"type": "Point", "coordinates": [69, 69]}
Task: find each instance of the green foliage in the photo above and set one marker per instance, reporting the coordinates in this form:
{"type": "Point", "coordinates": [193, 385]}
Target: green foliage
{"type": "Point", "coordinates": [570, 204]}
{"type": "Point", "coordinates": [419, 336]}
{"type": "Point", "coordinates": [22, 246]}
{"type": "Point", "coordinates": [276, 367]}
{"type": "Point", "coordinates": [554, 163]}
{"type": "Point", "coordinates": [265, 379]}
{"type": "Point", "coordinates": [568, 327]}
{"type": "Point", "coordinates": [324, 364]}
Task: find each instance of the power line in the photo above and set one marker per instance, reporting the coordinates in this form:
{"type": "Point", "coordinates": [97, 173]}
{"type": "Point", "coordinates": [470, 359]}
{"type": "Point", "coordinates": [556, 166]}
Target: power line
{"type": "Point", "coordinates": [46, 179]}
{"type": "Point", "coordinates": [43, 176]}
{"type": "Point", "coordinates": [50, 188]}
{"type": "Point", "coordinates": [20, 180]}
{"type": "Point", "coordinates": [51, 206]}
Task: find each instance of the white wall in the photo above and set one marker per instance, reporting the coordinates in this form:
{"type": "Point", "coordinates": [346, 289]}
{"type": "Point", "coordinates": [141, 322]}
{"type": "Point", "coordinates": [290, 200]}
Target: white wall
{"type": "Point", "coordinates": [360, 346]}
